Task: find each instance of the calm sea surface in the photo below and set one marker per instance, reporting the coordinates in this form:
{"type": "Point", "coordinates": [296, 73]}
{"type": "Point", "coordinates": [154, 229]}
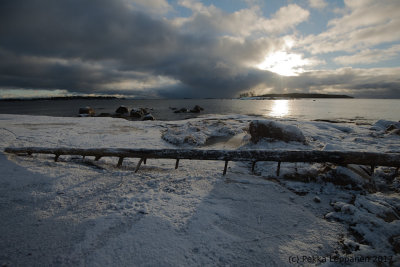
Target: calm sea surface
{"type": "Point", "coordinates": [358, 110]}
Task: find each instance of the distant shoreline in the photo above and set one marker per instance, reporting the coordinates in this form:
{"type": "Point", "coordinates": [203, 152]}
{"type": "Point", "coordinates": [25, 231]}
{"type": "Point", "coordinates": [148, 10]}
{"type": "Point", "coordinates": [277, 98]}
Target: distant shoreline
{"type": "Point", "coordinates": [248, 97]}
{"type": "Point", "coordinates": [63, 98]}
{"type": "Point", "coordinates": [294, 96]}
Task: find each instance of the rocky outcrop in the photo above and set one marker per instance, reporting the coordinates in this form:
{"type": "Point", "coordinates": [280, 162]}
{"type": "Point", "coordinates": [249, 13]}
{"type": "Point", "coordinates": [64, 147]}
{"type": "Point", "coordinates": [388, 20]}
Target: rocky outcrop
{"type": "Point", "coordinates": [182, 110]}
{"type": "Point", "coordinates": [136, 113]}
{"type": "Point", "coordinates": [195, 109]}
{"type": "Point", "coordinates": [260, 129]}
{"type": "Point", "coordinates": [148, 117]}
{"type": "Point", "coordinates": [122, 110]}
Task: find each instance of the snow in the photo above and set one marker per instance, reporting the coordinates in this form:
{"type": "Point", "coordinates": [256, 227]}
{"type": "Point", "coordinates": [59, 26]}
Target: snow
{"type": "Point", "coordinates": [83, 212]}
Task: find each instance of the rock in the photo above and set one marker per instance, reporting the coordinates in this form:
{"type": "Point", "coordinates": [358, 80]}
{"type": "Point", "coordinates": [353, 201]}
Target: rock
{"type": "Point", "coordinates": [122, 110]}
{"type": "Point", "coordinates": [136, 113]}
{"type": "Point", "coordinates": [196, 109]}
{"type": "Point", "coordinates": [392, 127]}
{"type": "Point", "coordinates": [385, 125]}
{"type": "Point", "coordinates": [86, 112]}
{"type": "Point", "coordinates": [395, 241]}
{"type": "Point", "coordinates": [260, 129]}
{"type": "Point", "coordinates": [182, 110]}
{"type": "Point", "coordinates": [148, 117]}
{"type": "Point", "coordinates": [317, 199]}
{"type": "Point", "coordinates": [395, 132]}
{"type": "Point", "coordinates": [145, 111]}
{"type": "Point", "coordinates": [346, 177]}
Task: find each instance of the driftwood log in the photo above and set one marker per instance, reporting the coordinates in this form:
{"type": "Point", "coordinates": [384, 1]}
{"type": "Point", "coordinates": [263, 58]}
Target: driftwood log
{"type": "Point", "coordinates": [372, 159]}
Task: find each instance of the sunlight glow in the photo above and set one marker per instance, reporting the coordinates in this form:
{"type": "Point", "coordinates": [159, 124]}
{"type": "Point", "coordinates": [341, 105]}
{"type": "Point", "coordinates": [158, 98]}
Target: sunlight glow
{"type": "Point", "coordinates": [280, 108]}
{"type": "Point", "coordinates": [283, 63]}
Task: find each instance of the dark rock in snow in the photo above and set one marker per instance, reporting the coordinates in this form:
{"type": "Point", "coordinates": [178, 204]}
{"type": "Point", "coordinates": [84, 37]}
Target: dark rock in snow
{"type": "Point", "coordinates": [86, 111]}
{"type": "Point", "coordinates": [260, 129]}
{"type": "Point", "coordinates": [122, 110]}
{"type": "Point", "coordinates": [136, 113]}
{"type": "Point", "coordinates": [145, 111]}
{"type": "Point", "coordinates": [182, 110]}
{"type": "Point", "coordinates": [395, 241]}
{"type": "Point", "coordinates": [395, 132]}
{"type": "Point", "coordinates": [148, 117]}
{"type": "Point", "coordinates": [196, 109]}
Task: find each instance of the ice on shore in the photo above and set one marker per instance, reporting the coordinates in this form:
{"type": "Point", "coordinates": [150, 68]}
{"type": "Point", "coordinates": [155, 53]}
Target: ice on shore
{"type": "Point", "coordinates": [86, 212]}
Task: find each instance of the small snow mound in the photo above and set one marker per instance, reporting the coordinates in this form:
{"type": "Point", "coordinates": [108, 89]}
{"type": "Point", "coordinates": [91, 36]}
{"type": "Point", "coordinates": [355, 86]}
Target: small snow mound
{"type": "Point", "coordinates": [198, 133]}
{"type": "Point", "coordinates": [274, 130]}
{"type": "Point", "coordinates": [384, 125]}
{"type": "Point", "coordinates": [330, 147]}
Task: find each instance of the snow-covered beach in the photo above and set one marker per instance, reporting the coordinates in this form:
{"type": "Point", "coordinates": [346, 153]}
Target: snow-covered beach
{"type": "Point", "coordinates": [84, 212]}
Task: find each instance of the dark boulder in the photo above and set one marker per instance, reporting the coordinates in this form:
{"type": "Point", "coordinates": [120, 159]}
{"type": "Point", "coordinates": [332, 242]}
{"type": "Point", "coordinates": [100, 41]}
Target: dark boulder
{"type": "Point", "coordinates": [122, 110]}
{"type": "Point", "coordinates": [86, 112]}
{"type": "Point", "coordinates": [136, 113]}
{"type": "Point", "coordinates": [196, 109]}
{"type": "Point", "coordinates": [145, 111]}
{"type": "Point", "coordinates": [260, 129]}
{"type": "Point", "coordinates": [148, 117]}
{"type": "Point", "coordinates": [182, 110]}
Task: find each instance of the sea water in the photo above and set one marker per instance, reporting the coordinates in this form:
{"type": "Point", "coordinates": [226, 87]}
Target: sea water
{"type": "Point", "coordinates": [356, 110]}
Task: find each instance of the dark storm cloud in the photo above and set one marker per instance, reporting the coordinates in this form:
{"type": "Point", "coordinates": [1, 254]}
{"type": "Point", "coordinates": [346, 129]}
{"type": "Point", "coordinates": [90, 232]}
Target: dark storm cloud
{"type": "Point", "coordinates": [91, 30]}
{"type": "Point", "coordinates": [88, 35]}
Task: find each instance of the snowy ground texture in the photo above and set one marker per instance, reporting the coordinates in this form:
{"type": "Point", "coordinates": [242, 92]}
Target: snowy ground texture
{"type": "Point", "coordinates": [81, 212]}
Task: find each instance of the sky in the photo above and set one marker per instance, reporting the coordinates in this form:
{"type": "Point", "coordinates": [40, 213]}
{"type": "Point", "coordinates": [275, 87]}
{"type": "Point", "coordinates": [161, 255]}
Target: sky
{"type": "Point", "coordinates": [199, 49]}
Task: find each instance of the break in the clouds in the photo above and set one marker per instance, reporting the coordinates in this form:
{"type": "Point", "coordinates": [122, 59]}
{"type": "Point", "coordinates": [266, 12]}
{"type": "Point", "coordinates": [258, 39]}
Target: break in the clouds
{"type": "Point", "coordinates": [189, 48]}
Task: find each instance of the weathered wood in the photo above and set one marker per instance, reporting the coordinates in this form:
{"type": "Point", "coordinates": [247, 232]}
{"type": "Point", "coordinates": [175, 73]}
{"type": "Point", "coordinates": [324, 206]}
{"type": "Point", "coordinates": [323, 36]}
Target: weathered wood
{"type": "Point", "coordinates": [253, 165]}
{"type": "Point", "coordinates": [138, 165]}
{"type": "Point", "coordinates": [316, 156]}
{"type": "Point", "coordinates": [278, 169]}
{"type": "Point", "coordinates": [225, 167]}
{"type": "Point", "coordinates": [119, 164]}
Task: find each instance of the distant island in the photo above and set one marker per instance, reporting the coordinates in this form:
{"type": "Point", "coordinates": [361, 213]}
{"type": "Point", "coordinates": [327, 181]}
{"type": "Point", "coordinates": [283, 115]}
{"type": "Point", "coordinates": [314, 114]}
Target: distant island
{"type": "Point", "coordinates": [292, 95]}
{"type": "Point", "coordinates": [62, 98]}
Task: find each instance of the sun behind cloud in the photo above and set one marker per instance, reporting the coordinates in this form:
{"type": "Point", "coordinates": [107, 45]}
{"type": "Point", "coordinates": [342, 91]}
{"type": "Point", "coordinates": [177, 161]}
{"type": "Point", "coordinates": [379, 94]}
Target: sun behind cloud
{"type": "Point", "coordinates": [284, 63]}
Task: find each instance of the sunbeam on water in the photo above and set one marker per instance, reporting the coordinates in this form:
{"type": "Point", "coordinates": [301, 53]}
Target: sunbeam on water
{"type": "Point", "coordinates": [280, 108]}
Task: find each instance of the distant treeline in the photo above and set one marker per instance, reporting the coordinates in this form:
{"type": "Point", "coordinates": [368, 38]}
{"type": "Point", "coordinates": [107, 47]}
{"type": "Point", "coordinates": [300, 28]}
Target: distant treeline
{"type": "Point", "coordinates": [61, 98]}
{"type": "Point", "coordinates": [296, 95]}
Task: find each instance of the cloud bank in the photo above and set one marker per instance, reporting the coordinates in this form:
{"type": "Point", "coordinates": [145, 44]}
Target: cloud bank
{"type": "Point", "coordinates": [146, 48]}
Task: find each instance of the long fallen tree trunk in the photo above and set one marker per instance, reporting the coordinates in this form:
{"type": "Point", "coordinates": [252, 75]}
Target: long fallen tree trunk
{"type": "Point", "coordinates": [312, 156]}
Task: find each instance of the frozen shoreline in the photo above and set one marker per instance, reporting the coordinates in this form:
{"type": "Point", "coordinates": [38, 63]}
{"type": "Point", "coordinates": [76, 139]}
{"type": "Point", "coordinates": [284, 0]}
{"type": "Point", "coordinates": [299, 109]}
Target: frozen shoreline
{"type": "Point", "coordinates": [82, 212]}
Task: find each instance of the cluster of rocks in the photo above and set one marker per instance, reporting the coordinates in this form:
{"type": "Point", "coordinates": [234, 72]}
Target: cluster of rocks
{"type": "Point", "coordinates": [195, 109]}
{"type": "Point", "coordinates": [121, 112]}
{"type": "Point", "coordinates": [137, 113]}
